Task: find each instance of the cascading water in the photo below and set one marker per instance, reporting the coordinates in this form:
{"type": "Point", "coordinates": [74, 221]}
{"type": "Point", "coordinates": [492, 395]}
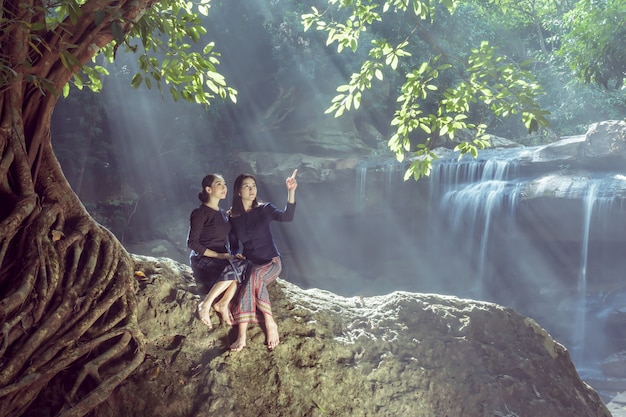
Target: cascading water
{"type": "Point", "coordinates": [499, 222]}
{"type": "Point", "coordinates": [466, 196]}
{"type": "Point", "coordinates": [539, 230]}
{"type": "Point", "coordinates": [581, 311]}
{"type": "Point", "coordinates": [361, 179]}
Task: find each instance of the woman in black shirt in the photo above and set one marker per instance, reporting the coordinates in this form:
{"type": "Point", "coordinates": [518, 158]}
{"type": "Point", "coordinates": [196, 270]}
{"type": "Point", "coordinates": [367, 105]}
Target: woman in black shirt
{"type": "Point", "coordinates": [250, 220]}
{"type": "Point", "coordinates": [212, 264]}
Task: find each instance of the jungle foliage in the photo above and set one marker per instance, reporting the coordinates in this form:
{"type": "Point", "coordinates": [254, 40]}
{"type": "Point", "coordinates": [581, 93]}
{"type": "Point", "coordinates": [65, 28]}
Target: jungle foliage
{"type": "Point", "coordinates": [67, 287]}
{"type": "Point", "coordinates": [480, 66]}
{"type": "Point", "coordinates": [451, 85]}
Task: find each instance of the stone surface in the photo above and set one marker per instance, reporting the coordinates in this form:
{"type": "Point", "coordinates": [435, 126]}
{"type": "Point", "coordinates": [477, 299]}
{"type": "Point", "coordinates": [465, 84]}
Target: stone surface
{"type": "Point", "coordinates": [617, 406]}
{"type": "Point", "coordinates": [401, 354]}
{"type": "Point", "coordinates": [607, 138]}
{"type": "Point", "coordinates": [273, 167]}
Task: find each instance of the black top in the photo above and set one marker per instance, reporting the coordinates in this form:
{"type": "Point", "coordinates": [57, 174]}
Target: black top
{"type": "Point", "coordinates": [208, 229]}
{"type": "Point", "coordinates": [252, 230]}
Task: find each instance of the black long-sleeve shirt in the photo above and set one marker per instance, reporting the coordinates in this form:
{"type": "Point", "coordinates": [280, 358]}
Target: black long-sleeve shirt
{"type": "Point", "coordinates": [252, 230]}
{"type": "Point", "coordinates": [208, 229]}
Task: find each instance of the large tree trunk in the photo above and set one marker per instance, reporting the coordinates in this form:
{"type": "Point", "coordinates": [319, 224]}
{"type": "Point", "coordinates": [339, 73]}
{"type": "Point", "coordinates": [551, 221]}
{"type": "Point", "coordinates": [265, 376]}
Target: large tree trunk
{"type": "Point", "coordinates": [67, 295]}
{"type": "Point", "coordinates": [67, 291]}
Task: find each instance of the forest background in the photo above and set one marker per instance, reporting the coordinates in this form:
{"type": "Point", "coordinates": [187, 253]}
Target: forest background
{"type": "Point", "coordinates": [121, 149]}
{"type": "Point", "coordinates": [531, 71]}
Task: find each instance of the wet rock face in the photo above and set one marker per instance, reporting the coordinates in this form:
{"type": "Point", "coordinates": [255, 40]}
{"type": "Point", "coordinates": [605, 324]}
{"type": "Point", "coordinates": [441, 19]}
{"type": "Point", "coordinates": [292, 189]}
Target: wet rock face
{"type": "Point", "coordinates": [392, 355]}
{"type": "Point", "coordinates": [606, 138]}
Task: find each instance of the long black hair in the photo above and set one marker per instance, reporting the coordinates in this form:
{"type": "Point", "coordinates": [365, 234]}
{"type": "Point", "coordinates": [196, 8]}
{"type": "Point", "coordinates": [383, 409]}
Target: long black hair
{"type": "Point", "coordinates": [236, 209]}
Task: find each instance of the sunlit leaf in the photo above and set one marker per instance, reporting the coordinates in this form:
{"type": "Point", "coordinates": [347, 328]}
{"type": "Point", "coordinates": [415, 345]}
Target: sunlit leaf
{"type": "Point", "coordinates": [343, 88]}
{"type": "Point", "coordinates": [357, 100]}
{"type": "Point", "coordinates": [203, 10]}
{"type": "Point", "coordinates": [137, 80]}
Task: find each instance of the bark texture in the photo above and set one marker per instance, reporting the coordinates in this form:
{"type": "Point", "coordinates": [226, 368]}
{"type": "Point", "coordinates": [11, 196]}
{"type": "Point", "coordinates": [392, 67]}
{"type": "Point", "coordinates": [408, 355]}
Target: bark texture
{"type": "Point", "coordinates": [67, 289]}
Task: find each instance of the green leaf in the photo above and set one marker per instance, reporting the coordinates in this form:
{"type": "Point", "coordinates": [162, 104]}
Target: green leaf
{"type": "Point", "coordinates": [118, 32]}
{"type": "Point", "coordinates": [203, 10]}
{"type": "Point", "coordinates": [208, 48]}
{"type": "Point", "coordinates": [357, 100]}
{"type": "Point", "coordinates": [137, 80]}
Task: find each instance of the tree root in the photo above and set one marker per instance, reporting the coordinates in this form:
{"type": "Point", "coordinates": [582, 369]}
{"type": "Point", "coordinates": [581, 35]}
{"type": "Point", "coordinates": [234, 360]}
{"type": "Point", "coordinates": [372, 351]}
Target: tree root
{"type": "Point", "coordinates": [73, 301]}
{"type": "Point", "coordinates": [67, 291]}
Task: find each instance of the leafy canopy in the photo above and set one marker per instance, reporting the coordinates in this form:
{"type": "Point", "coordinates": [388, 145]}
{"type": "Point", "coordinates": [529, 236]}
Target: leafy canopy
{"type": "Point", "coordinates": [593, 44]}
{"type": "Point", "coordinates": [166, 34]}
{"type": "Point", "coordinates": [191, 74]}
{"type": "Point", "coordinates": [483, 78]}
{"type": "Point", "coordinates": [165, 37]}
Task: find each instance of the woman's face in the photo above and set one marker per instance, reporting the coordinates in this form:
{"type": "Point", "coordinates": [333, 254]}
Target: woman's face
{"type": "Point", "coordinates": [218, 189]}
{"type": "Point", "coordinates": [248, 190]}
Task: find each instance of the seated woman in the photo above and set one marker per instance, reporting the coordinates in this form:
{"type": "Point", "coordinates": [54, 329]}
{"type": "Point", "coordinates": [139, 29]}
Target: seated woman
{"type": "Point", "coordinates": [251, 221]}
{"type": "Point", "coordinates": [211, 262]}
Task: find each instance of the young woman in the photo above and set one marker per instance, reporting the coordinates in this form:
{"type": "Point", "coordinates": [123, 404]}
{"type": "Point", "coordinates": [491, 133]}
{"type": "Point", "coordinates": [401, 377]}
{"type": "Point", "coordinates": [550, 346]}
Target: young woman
{"type": "Point", "coordinates": [210, 258]}
{"type": "Point", "coordinates": [250, 220]}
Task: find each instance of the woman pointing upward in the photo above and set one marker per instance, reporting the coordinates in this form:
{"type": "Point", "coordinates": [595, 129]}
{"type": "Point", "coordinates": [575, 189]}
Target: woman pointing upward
{"type": "Point", "coordinates": [250, 220]}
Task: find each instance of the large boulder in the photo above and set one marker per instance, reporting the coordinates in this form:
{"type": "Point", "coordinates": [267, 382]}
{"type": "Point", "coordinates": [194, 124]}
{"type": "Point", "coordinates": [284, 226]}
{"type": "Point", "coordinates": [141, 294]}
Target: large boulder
{"type": "Point", "coordinates": [607, 138]}
{"type": "Point", "coordinates": [401, 354]}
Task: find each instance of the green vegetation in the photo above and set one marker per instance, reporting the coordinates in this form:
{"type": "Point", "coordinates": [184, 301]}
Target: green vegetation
{"type": "Point", "coordinates": [454, 83]}
{"type": "Point", "coordinates": [68, 287]}
{"type": "Point", "coordinates": [530, 71]}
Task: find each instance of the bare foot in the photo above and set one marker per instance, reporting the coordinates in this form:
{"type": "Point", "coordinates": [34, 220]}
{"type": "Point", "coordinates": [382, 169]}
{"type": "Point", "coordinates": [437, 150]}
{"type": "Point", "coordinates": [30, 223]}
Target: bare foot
{"type": "Point", "coordinates": [205, 314]}
{"type": "Point", "coordinates": [272, 334]}
{"type": "Point", "coordinates": [224, 313]}
{"type": "Point", "coordinates": [239, 344]}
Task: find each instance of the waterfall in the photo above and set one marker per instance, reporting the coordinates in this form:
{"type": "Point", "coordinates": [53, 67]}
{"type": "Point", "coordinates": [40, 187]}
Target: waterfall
{"type": "Point", "coordinates": [389, 170]}
{"type": "Point", "coordinates": [581, 309]}
{"type": "Point", "coordinates": [511, 230]}
{"type": "Point", "coordinates": [466, 197]}
{"type": "Point", "coordinates": [537, 229]}
{"type": "Point", "coordinates": [361, 180]}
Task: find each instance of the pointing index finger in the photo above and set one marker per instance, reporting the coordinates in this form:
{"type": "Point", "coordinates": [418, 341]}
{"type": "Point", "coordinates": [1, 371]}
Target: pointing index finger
{"type": "Point", "coordinates": [295, 171]}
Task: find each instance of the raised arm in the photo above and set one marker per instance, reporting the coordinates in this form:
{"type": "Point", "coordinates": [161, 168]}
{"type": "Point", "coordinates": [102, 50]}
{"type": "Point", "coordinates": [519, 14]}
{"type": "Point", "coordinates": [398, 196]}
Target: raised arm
{"type": "Point", "coordinates": [292, 184]}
